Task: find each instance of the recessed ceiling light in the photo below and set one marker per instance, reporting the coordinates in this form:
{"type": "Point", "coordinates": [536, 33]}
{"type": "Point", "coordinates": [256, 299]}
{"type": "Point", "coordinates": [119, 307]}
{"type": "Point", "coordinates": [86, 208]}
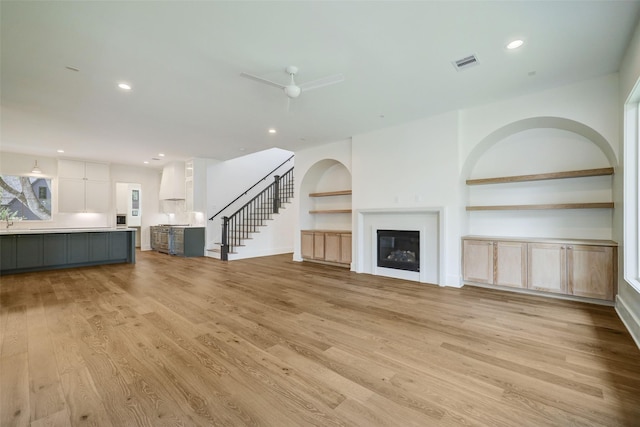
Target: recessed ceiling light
{"type": "Point", "coordinates": [161, 154]}
{"type": "Point", "coordinates": [124, 86]}
{"type": "Point", "coordinates": [146, 162]}
{"type": "Point", "coordinates": [272, 130]}
{"type": "Point", "coordinates": [60, 151]}
{"type": "Point", "coordinates": [515, 44]}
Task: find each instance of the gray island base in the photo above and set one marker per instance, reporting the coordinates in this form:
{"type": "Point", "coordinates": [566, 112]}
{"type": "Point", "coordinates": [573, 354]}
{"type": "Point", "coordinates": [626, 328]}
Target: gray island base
{"type": "Point", "coordinates": [36, 250]}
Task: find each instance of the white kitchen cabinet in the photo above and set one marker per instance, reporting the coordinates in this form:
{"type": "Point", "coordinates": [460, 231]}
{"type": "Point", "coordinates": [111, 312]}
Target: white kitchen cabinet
{"type": "Point", "coordinates": [83, 186]}
{"type": "Point", "coordinates": [195, 185]}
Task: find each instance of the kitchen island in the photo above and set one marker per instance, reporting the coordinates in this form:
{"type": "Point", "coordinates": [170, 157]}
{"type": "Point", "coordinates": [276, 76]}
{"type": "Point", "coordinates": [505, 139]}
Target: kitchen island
{"type": "Point", "coordinates": [47, 249]}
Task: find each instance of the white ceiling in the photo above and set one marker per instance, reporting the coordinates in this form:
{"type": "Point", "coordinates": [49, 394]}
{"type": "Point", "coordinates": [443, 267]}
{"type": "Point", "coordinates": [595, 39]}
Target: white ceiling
{"type": "Point", "coordinates": [184, 61]}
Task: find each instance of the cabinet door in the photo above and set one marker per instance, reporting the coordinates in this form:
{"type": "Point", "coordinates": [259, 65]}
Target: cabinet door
{"type": "Point", "coordinates": [78, 248]}
{"type": "Point", "coordinates": [332, 247]}
{"type": "Point", "coordinates": [7, 252]}
{"type": "Point", "coordinates": [318, 246]}
{"type": "Point", "coordinates": [306, 244]}
{"type": "Point", "coordinates": [591, 271]}
{"type": "Point", "coordinates": [547, 267]}
{"type": "Point", "coordinates": [28, 250]}
{"type": "Point", "coordinates": [345, 248]}
{"type": "Point", "coordinates": [54, 249]}
{"type": "Point", "coordinates": [98, 246]}
{"type": "Point", "coordinates": [70, 195]}
{"type": "Point", "coordinates": [511, 264]}
{"type": "Point", "coordinates": [118, 245]}
{"type": "Point", "coordinates": [70, 169]}
{"type": "Point", "coordinates": [97, 196]}
{"type": "Point", "coordinates": [96, 171]}
{"type": "Point", "coordinates": [477, 261]}
{"type": "Point", "coordinates": [194, 242]}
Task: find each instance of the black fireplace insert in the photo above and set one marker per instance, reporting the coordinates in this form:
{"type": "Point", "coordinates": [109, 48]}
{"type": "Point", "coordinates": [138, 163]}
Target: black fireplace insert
{"type": "Point", "coordinates": [399, 249]}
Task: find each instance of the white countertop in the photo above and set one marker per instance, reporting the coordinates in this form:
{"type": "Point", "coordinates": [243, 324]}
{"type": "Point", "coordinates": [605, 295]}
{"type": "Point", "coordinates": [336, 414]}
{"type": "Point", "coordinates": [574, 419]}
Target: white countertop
{"type": "Point", "coordinates": [62, 230]}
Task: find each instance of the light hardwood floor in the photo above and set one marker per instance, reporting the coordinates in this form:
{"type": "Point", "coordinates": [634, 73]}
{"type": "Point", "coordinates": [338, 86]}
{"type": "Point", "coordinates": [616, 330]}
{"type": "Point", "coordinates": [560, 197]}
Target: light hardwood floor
{"type": "Point", "coordinates": [193, 342]}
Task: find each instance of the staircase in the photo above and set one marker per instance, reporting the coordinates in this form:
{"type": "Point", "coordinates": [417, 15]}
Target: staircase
{"type": "Point", "coordinates": [239, 228]}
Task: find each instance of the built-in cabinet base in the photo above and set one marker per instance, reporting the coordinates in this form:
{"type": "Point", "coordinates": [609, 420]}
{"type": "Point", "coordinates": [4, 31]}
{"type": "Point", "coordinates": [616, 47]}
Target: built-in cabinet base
{"type": "Point", "coordinates": [578, 268]}
{"type": "Point", "coordinates": [327, 246]}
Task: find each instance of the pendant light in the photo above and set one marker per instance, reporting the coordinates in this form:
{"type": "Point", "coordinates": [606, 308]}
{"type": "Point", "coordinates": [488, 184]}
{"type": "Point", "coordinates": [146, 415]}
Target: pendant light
{"type": "Point", "coordinates": [36, 169]}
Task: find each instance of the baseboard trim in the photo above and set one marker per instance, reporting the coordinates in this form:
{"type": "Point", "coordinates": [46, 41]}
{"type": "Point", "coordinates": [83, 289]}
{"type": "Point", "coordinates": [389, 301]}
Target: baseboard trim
{"type": "Point", "coordinates": [629, 319]}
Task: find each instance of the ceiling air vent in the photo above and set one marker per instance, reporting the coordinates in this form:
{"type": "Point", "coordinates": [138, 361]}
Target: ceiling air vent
{"type": "Point", "coordinates": [464, 63]}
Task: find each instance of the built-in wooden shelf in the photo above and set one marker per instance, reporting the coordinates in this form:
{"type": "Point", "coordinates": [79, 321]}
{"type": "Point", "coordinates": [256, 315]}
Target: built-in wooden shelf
{"type": "Point", "coordinates": [542, 176]}
{"type": "Point", "coordinates": [330, 211]}
{"type": "Point", "coordinates": [605, 205]}
{"type": "Point", "coordinates": [331, 193]}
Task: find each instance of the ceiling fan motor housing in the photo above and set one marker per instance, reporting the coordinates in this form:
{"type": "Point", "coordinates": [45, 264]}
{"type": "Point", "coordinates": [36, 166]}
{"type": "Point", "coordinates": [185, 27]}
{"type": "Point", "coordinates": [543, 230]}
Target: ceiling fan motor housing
{"type": "Point", "coordinates": [292, 91]}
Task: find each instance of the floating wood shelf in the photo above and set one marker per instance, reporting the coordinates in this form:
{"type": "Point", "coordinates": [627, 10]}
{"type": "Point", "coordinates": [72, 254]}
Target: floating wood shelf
{"type": "Point", "coordinates": [605, 205]}
{"type": "Point", "coordinates": [331, 193]}
{"type": "Point", "coordinates": [330, 211]}
{"type": "Point", "coordinates": [542, 176]}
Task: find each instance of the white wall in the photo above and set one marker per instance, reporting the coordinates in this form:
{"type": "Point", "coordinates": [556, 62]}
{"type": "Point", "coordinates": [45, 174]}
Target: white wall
{"type": "Point", "coordinates": [228, 179]}
{"type": "Point", "coordinates": [628, 299]}
{"type": "Point", "coordinates": [424, 164]}
{"type": "Point", "coordinates": [408, 167]}
{"type": "Point", "coordinates": [592, 102]}
{"type": "Point", "coordinates": [336, 152]}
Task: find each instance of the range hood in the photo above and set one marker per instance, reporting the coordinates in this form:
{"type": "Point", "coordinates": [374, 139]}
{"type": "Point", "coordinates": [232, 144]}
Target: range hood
{"type": "Point", "coordinates": [172, 184]}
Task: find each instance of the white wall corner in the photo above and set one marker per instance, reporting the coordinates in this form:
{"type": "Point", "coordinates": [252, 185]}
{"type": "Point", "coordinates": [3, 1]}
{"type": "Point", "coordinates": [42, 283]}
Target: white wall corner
{"type": "Point", "coordinates": [454, 281]}
{"type": "Point", "coordinates": [629, 318]}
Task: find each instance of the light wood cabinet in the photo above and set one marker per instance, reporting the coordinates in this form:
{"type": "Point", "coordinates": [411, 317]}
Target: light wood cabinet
{"type": "Point", "coordinates": [330, 246]}
{"type": "Point", "coordinates": [582, 268]}
{"type": "Point", "coordinates": [548, 267]}
{"type": "Point", "coordinates": [499, 263]}
{"type": "Point", "coordinates": [318, 246]}
{"type": "Point", "coordinates": [345, 248]}
{"type": "Point", "coordinates": [307, 244]}
{"type": "Point", "coordinates": [477, 262]}
{"type": "Point", "coordinates": [511, 264]}
{"type": "Point", "coordinates": [83, 186]}
{"type": "Point", "coordinates": [591, 271]}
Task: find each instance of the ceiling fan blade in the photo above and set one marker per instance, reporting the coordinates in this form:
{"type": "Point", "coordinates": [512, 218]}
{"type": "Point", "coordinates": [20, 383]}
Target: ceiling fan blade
{"type": "Point", "coordinates": [325, 81]}
{"type": "Point", "coordinates": [261, 80]}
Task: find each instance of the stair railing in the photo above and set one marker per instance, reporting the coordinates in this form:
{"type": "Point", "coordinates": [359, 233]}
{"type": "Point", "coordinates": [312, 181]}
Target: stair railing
{"type": "Point", "coordinates": [251, 188]}
{"type": "Point", "coordinates": [246, 220]}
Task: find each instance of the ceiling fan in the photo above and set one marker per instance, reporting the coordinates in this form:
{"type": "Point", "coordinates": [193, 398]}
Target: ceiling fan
{"type": "Point", "coordinates": [293, 90]}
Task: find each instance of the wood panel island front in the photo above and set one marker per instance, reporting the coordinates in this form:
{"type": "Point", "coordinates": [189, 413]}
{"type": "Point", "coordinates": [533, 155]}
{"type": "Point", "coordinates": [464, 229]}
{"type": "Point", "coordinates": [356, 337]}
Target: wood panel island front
{"type": "Point", "coordinates": [34, 250]}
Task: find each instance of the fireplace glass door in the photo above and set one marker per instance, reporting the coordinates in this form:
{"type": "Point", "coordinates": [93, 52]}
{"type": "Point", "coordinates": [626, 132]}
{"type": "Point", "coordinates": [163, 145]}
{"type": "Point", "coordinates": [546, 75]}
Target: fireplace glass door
{"type": "Point", "coordinates": [399, 249]}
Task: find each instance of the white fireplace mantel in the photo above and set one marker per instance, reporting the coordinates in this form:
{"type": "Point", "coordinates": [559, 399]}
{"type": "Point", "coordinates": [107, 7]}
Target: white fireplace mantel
{"type": "Point", "coordinates": [428, 220]}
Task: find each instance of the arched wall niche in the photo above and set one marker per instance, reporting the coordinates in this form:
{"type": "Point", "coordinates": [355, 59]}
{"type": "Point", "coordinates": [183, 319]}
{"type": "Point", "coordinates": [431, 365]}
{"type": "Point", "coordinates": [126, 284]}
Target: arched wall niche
{"type": "Point", "coordinates": [534, 146]}
{"type": "Point", "coordinates": [323, 176]}
{"type": "Point", "coordinates": [532, 123]}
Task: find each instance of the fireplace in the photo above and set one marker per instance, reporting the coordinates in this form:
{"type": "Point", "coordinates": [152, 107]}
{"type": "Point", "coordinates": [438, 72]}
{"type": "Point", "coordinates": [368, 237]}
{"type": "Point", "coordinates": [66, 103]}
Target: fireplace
{"type": "Point", "coordinates": [399, 249]}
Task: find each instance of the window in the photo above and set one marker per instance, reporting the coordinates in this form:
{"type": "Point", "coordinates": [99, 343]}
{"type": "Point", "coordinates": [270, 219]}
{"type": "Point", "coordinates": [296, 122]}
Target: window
{"type": "Point", "coordinates": [631, 221]}
{"type": "Point", "coordinates": [26, 197]}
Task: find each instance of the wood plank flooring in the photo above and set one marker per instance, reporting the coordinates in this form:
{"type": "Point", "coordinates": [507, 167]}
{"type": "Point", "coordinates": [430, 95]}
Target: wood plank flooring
{"type": "Point", "coordinates": [270, 342]}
